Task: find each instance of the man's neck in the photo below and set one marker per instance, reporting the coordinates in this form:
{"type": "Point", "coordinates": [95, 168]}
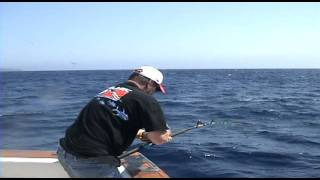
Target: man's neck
{"type": "Point", "coordinates": [137, 84]}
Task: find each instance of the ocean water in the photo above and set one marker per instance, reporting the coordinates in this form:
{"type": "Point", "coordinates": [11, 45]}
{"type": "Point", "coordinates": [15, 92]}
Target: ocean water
{"type": "Point", "coordinates": [266, 123]}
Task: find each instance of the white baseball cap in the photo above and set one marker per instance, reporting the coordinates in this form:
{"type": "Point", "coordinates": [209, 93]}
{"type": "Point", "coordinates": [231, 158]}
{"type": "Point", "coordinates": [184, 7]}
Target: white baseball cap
{"type": "Point", "coordinates": [153, 74]}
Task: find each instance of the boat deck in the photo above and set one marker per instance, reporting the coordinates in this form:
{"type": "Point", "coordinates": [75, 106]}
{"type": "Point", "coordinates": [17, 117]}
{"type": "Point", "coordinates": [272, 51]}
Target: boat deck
{"type": "Point", "coordinates": [38, 164]}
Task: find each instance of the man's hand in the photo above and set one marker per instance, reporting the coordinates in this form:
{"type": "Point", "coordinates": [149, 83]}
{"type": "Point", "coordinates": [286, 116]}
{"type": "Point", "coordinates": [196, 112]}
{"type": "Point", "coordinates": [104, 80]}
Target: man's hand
{"type": "Point", "coordinates": [167, 136]}
{"type": "Point", "coordinates": [159, 137]}
{"type": "Point", "coordinates": [156, 137]}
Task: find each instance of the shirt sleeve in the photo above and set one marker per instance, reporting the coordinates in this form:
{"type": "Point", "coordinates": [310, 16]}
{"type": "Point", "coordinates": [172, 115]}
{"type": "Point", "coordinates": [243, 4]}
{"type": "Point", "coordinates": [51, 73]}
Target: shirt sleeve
{"type": "Point", "coordinates": [152, 116]}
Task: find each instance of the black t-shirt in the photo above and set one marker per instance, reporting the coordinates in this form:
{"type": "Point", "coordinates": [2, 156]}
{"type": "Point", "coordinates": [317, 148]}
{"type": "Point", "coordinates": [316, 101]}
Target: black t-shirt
{"type": "Point", "coordinates": [108, 124]}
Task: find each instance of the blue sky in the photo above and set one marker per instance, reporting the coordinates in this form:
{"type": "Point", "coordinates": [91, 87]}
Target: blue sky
{"type": "Point", "coordinates": [104, 35]}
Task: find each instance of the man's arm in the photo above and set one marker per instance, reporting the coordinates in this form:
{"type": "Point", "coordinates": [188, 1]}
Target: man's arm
{"type": "Point", "coordinates": [156, 137]}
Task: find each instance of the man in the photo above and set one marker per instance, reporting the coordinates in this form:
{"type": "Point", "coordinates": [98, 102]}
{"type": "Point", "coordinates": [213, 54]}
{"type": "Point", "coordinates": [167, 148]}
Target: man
{"type": "Point", "coordinates": [108, 124]}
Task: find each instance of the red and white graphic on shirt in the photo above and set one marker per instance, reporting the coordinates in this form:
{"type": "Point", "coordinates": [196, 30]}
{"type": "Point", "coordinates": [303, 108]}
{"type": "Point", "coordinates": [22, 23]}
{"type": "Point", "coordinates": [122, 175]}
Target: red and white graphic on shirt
{"type": "Point", "coordinates": [114, 93]}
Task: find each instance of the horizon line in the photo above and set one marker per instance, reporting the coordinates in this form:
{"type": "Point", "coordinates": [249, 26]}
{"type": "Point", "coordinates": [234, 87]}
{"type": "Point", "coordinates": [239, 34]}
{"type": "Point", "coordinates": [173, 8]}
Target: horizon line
{"type": "Point", "coordinates": [21, 70]}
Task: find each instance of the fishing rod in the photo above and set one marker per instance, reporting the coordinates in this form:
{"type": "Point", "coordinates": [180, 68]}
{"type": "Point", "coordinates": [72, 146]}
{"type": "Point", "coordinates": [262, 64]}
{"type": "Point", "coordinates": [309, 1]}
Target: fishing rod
{"type": "Point", "coordinates": [198, 125]}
